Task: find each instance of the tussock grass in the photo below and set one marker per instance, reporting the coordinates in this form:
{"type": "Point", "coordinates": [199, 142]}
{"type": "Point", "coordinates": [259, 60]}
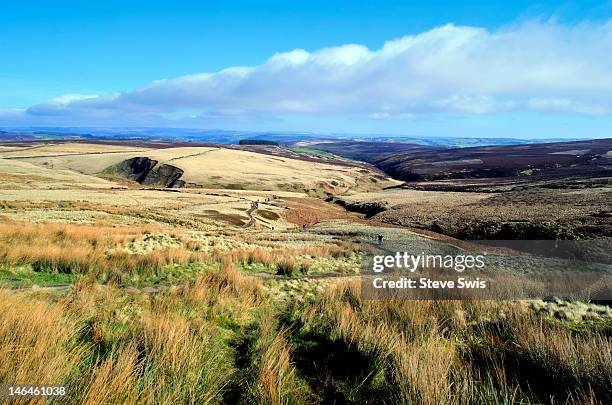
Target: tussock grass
{"type": "Point", "coordinates": [462, 352]}
{"type": "Point", "coordinates": [109, 347]}
{"type": "Point", "coordinates": [220, 338]}
{"type": "Point", "coordinates": [286, 266]}
{"type": "Point", "coordinates": [273, 378]}
{"type": "Point", "coordinates": [283, 259]}
{"type": "Point", "coordinates": [38, 342]}
{"type": "Point", "coordinates": [96, 251]}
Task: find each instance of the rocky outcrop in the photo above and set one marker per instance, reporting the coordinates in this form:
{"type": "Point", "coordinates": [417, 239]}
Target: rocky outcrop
{"type": "Point", "coordinates": [136, 168]}
{"type": "Point", "coordinates": [147, 171]}
{"type": "Point", "coordinates": [166, 176]}
{"type": "Point", "coordinates": [368, 208]}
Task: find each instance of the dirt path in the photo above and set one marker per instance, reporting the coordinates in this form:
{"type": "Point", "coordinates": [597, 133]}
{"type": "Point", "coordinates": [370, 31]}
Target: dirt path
{"type": "Point", "coordinates": [251, 218]}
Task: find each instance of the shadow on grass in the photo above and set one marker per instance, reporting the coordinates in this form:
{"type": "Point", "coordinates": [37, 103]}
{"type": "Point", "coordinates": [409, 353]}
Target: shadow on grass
{"type": "Point", "coordinates": [337, 372]}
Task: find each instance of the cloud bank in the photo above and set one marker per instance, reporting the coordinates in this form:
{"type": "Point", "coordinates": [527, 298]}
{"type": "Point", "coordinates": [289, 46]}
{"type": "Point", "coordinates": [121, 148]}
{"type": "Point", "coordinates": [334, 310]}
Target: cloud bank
{"type": "Point", "coordinates": [462, 70]}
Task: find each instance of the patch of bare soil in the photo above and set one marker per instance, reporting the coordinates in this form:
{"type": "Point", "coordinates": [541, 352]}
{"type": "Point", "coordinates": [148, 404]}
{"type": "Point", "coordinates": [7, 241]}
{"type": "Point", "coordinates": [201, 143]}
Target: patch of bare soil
{"type": "Point", "coordinates": [309, 211]}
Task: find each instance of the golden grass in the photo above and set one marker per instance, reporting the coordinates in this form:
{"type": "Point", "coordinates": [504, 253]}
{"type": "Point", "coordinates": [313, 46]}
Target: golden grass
{"type": "Point", "coordinates": [286, 266]}
{"type": "Point", "coordinates": [115, 378]}
{"type": "Point", "coordinates": [39, 342]}
{"type": "Point", "coordinates": [170, 351]}
{"type": "Point", "coordinates": [215, 167]}
{"type": "Point", "coordinates": [272, 255]}
{"type": "Point", "coordinates": [84, 249]}
{"type": "Point", "coordinates": [276, 378]}
{"type": "Point", "coordinates": [180, 345]}
{"type": "Point", "coordinates": [175, 347]}
{"type": "Point", "coordinates": [457, 352]}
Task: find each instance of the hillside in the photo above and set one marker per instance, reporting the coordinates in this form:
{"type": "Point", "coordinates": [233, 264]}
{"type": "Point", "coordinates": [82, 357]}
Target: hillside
{"type": "Point", "coordinates": [206, 166]}
{"type": "Point", "coordinates": [135, 285]}
{"type": "Point", "coordinates": [412, 162]}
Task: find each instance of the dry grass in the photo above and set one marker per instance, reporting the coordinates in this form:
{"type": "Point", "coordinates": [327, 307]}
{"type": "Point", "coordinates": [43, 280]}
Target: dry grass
{"type": "Point", "coordinates": [39, 343]}
{"type": "Point", "coordinates": [466, 352]}
{"type": "Point", "coordinates": [219, 338]}
{"type": "Point", "coordinates": [286, 266]}
{"type": "Point", "coordinates": [276, 380]}
{"type": "Point", "coordinates": [271, 254]}
{"type": "Point", "coordinates": [93, 250]}
{"type": "Point", "coordinates": [115, 378]}
{"type": "Point", "coordinates": [215, 167]}
{"type": "Point", "coordinates": [167, 349]}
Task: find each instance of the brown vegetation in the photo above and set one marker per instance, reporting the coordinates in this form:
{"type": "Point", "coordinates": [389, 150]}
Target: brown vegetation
{"type": "Point", "coordinates": [461, 352]}
{"type": "Point", "coordinates": [78, 249]}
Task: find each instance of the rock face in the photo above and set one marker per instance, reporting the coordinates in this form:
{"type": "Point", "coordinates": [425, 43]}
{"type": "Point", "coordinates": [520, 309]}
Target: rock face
{"type": "Point", "coordinates": [368, 208]}
{"type": "Point", "coordinates": [136, 168]}
{"type": "Point", "coordinates": [147, 171]}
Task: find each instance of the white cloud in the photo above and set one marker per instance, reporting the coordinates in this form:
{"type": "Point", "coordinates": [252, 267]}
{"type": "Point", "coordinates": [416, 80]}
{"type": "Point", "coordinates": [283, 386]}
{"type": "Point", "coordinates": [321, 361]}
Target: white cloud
{"type": "Point", "coordinates": [538, 66]}
{"type": "Point", "coordinates": [568, 104]}
{"type": "Point", "coordinates": [60, 105]}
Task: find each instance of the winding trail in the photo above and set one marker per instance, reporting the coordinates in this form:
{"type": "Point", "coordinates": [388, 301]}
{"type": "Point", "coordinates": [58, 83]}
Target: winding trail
{"type": "Point", "coordinates": [251, 218]}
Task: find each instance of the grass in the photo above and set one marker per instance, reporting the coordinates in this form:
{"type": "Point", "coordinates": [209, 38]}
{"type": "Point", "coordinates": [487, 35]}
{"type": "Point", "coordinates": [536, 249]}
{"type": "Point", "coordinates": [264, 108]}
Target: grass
{"type": "Point", "coordinates": [55, 252]}
{"type": "Point", "coordinates": [217, 335]}
{"type": "Point", "coordinates": [314, 152]}
{"type": "Point", "coordinates": [110, 347]}
{"type": "Point", "coordinates": [222, 168]}
{"type": "Point", "coordinates": [24, 276]}
{"type": "Point", "coordinates": [286, 267]}
{"type": "Point", "coordinates": [214, 334]}
{"type": "Point", "coordinates": [450, 352]}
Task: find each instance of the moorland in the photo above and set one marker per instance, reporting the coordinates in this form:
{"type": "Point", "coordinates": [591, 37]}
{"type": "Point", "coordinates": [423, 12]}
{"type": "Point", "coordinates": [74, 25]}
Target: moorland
{"type": "Point", "coordinates": [154, 272]}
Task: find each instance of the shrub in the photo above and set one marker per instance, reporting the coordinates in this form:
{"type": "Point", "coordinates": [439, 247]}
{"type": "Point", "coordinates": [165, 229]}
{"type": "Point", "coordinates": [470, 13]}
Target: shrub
{"type": "Point", "coordinates": [286, 267]}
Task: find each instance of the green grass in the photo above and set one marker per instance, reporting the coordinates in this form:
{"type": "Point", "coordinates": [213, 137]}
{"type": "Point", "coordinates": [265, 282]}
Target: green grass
{"type": "Point", "coordinates": [255, 268]}
{"type": "Point", "coordinates": [171, 274]}
{"type": "Point", "coordinates": [24, 276]}
{"type": "Point", "coordinates": [313, 152]}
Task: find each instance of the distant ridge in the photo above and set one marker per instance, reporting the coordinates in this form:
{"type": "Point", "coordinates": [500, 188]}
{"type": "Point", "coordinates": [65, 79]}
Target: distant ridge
{"type": "Point", "coordinates": [234, 137]}
{"type": "Point", "coordinates": [257, 142]}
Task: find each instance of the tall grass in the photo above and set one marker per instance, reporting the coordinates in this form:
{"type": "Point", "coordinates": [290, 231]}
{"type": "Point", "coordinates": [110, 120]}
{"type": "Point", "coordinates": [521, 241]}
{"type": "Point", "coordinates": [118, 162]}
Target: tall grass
{"type": "Point", "coordinates": [466, 352]}
{"type": "Point", "coordinates": [97, 251]}
{"type": "Point", "coordinates": [273, 377]}
{"type": "Point", "coordinates": [39, 343]}
{"type": "Point", "coordinates": [183, 346]}
{"type": "Point", "coordinates": [110, 347]}
{"type": "Point", "coordinates": [220, 338]}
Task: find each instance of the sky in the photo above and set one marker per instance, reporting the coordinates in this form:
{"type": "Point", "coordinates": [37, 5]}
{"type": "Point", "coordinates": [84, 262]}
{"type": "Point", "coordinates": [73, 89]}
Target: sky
{"type": "Point", "coordinates": [430, 68]}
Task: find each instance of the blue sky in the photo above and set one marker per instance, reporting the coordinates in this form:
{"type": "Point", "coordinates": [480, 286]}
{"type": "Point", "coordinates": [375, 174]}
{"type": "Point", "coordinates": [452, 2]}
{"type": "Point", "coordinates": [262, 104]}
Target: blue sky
{"type": "Point", "coordinates": [465, 68]}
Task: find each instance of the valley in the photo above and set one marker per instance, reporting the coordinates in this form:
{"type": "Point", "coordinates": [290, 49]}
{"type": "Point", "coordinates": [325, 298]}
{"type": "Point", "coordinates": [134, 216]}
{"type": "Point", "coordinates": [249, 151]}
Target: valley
{"type": "Point", "coordinates": [172, 273]}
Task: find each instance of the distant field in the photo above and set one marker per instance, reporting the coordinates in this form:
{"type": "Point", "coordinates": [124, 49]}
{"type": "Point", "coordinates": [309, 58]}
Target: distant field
{"type": "Point", "coordinates": [413, 162]}
{"type": "Point", "coordinates": [309, 151]}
